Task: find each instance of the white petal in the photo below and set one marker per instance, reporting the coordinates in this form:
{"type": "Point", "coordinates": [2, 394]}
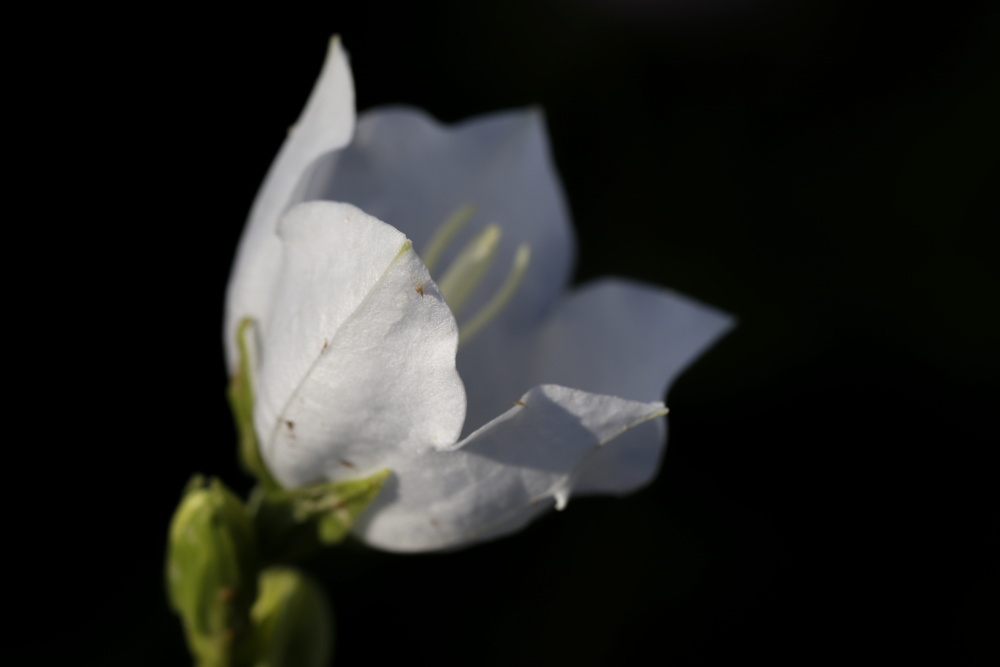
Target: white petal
{"type": "Point", "coordinates": [611, 336]}
{"type": "Point", "coordinates": [623, 338]}
{"type": "Point", "coordinates": [407, 169]}
{"type": "Point", "coordinates": [502, 475]}
{"type": "Point", "coordinates": [326, 123]}
{"type": "Point", "coordinates": [358, 352]}
{"type": "Point", "coordinates": [631, 464]}
{"type": "Point", "coordinates": [636, 340]}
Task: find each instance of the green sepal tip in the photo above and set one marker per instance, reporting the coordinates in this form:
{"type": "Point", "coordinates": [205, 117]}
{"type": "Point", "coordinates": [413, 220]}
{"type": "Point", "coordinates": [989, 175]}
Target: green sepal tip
{"type": "Point", "coordinates": [241, 398]}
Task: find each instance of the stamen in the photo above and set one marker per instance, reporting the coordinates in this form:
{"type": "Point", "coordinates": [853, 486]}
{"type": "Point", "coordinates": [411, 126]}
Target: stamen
{"type": "Point", "coordinates": [467, 270]}
{"type": "Point", "coordinates": [475, 324]}
{"type": "Point", "coordinates": [445, 234]}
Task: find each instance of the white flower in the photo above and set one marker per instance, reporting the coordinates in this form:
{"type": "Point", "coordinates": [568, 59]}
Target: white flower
{"type": "Point", "coordinates": [356, 363]}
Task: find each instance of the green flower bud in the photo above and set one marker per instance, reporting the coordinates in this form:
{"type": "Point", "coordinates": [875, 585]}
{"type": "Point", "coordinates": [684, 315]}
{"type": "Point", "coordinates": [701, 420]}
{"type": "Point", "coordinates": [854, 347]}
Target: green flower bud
{"type": "Point", "coordinates": [212, 567]}
{"type": "Point", "coordinates": [293, 625]}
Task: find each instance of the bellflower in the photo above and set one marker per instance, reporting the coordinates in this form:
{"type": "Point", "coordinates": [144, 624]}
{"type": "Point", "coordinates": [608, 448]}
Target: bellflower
{"type": "Point", "coordinates": [423, 325]}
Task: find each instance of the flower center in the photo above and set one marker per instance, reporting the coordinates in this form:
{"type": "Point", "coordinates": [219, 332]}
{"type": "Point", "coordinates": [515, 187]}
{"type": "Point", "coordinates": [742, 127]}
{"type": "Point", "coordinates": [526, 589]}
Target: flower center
{"type": "Point", "coordinates": [466, 272]}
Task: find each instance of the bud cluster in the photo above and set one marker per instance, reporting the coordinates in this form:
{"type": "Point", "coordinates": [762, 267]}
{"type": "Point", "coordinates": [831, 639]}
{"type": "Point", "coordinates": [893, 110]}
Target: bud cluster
{"type": "Point", "coordinates": [235, 612]}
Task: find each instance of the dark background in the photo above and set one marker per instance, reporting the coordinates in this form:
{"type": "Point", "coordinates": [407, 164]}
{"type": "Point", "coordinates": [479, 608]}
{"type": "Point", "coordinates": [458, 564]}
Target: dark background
{"type": "Point", "coordinates": [826, 171]}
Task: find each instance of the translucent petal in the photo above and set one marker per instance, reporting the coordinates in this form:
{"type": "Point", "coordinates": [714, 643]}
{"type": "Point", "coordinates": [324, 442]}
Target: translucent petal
{"type": "Point", "coordinates": [623, 338]}
{"type": "Point", "coordinates": [409, 170]}
{"type": "Point", "coordinates": [629, 340]}
{"type": "Point", "coordinates": [358, 356]}
{"type": "Point", "coordinates": [611, 336]}
{"type": "Point", "coordinates": [502, 475]}
{"type": "Point", "coordinates": [326, 123]}
{"type": "Point", "coordinates": [631, 464]}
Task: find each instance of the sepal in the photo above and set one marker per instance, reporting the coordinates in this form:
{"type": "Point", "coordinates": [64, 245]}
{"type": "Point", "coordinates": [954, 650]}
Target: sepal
{"type": "Point", "coordinates": [293, 523]}
{"type": "Point", "coordinates": [241, 398]}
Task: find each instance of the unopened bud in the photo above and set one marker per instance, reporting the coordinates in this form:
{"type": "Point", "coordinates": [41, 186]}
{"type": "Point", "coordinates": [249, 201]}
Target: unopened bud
{"type": "Point", "coordinates": [212, 568]}
{"type": "Point", "coordinates": [293, 626]}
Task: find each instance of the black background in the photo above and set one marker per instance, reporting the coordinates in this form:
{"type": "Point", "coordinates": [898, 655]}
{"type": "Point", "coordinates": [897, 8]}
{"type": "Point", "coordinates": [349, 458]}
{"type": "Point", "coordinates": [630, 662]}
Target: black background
{"type": "Point", "coordinates": [826, 171]}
